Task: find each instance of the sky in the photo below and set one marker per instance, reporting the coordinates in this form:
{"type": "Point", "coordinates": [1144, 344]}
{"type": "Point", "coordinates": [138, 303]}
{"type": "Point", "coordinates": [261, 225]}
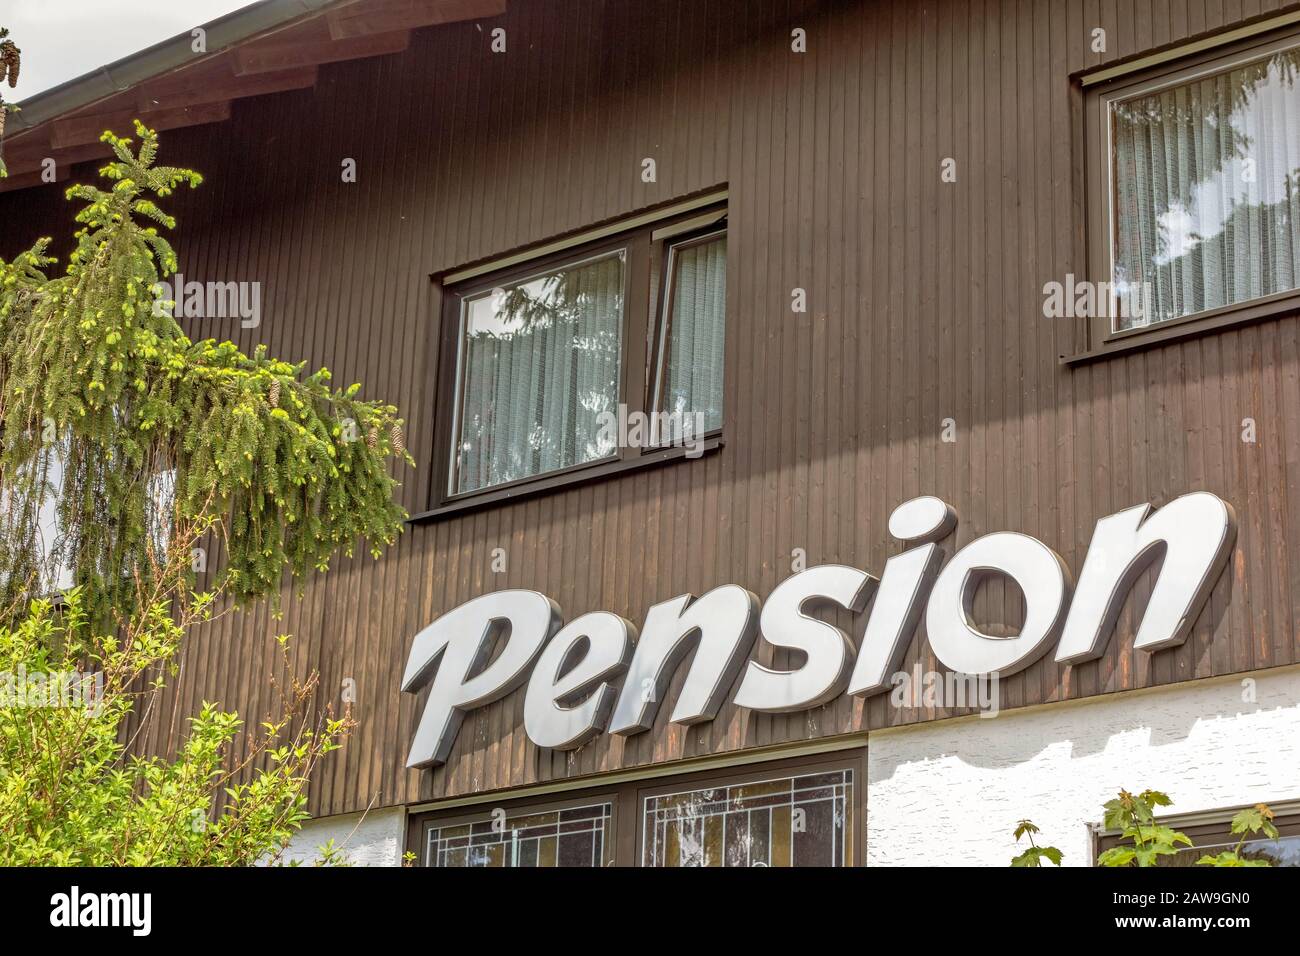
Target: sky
{"type": "Point", "coordinates": [62, 39]}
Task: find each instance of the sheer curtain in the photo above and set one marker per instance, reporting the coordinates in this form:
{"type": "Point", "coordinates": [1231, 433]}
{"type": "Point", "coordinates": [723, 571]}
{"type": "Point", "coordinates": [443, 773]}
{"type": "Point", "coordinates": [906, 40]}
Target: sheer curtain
{"type": "Point", "coordinates": [692, 374]}
{"type": "Point", "coordinates": [1207, 205]}
{"type": "Point", "coordinates": [540, 365]}
{"type": "Point", "coordinates": [52, 568]}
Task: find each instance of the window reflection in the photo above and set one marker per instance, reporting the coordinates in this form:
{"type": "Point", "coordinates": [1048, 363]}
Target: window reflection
{"type": "Point", "coordinates": [540, 363]}
{"type": "Point", "coordinates": [1207, 192]}
{"type": "Point", "coordinates": [572, 837]}
{"type": "Point", "coordinates": [795, 821]}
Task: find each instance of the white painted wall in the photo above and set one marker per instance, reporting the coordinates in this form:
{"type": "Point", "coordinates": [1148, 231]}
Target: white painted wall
{"type": "Point", "coordinates": [375, 838]}
{"type": "Point", "coordinates": [951, 792]}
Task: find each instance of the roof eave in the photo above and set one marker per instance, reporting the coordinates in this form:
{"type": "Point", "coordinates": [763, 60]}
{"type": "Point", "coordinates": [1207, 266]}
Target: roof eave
{"type": "Point", "coordinates": [99, 84]}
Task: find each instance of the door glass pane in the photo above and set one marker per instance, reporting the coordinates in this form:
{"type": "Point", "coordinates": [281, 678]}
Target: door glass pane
{"type": "Point", "coordinates": [539, 365]}
{"type": "Point", "coordinates": [793, 821]}
{"type": "Point", "coordinates": [573, 837]}
{"type": "Point", "coordinates": [690, 386]}
{"type": "Point", "coordinates": [1207, 192]}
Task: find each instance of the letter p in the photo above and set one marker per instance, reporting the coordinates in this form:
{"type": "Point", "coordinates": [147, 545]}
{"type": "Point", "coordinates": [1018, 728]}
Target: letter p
{"type": "Point", "coordinates": [458, 644]}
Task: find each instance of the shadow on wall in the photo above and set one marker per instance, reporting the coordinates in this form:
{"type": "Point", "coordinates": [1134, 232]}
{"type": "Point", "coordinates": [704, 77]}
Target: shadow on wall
{"type": "Point", "coordinates": [1136, 720]}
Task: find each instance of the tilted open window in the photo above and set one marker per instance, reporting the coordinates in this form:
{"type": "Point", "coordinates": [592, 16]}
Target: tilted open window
{"type": "Point", "coordinates": [578, 362]}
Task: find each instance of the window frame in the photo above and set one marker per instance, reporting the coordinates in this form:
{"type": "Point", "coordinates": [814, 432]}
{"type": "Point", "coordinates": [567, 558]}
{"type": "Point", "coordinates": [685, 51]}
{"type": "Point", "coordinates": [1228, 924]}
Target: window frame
{"type": "Point", "coordinates": [627, 799]}
{"type": "Point", "coordinates": [418, 827]}
{"type": "Point", "coordinates": [526, 272]}
{"type": "Point", "coordinates": [662, 327]}
{"type": "Point", "coordinates": [646, 283]}
{"type": "Point", "coordinates": [1101, 224]}
{"type": "Point", "coordinates": [761, 774]}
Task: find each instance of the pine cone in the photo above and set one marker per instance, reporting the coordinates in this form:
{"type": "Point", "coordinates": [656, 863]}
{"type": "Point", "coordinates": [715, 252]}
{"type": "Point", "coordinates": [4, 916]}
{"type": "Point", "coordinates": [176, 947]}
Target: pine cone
{"type": "Point", "coordinates": [273, 398]}
{"type": "Point", "coordinates": [372, 438]}
{"type": "Point", "coordinates": [10, 57]}
{"type": "Point", "coordinates": [395, 437]}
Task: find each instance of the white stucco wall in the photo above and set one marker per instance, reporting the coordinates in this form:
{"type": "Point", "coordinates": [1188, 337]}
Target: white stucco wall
{"type": "Point", "coordinates": [951, 792]}
{"type": "Point", "coordinates": [375, 838]}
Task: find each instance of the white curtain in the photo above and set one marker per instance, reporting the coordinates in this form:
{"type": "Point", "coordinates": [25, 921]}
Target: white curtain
{"type": "Point", "coordinates": [1207, 198]}
{"type": "Point", "coordinates": [541, 363]}
{"type": "Point", "coordinates": [45, 472]}
{"type": "Point", "coordinates": [694, 351]}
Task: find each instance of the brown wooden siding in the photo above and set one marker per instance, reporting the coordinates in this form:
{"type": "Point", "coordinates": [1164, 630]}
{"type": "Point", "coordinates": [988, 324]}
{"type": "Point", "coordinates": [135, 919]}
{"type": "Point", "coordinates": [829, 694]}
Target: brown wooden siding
{"type": "Point", "coordinates": [924, 304]}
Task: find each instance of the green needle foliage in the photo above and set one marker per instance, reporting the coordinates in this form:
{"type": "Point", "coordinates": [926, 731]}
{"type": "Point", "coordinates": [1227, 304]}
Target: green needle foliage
{"type": "Point", "coordinates": [147, 427]}
{"type": "Point", "coordinates": [142, 448]}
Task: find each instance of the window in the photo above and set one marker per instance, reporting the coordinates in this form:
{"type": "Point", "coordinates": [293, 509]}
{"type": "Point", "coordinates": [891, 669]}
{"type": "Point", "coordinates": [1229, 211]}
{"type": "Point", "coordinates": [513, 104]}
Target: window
{"type": "Point", "coordinates": [1211, 833]}
{"type": "Point", "coordinates": [796, 811]}
{"type": "Point", "coordinates": [691, 340]}
{"type": "Point", "coordinates": [577, 836]}
{"type": "Point", "coordinates": [583, 361]}
{"type": "Point", "coordinates": [791, 821]}
{"type": "Point", "coordinates": [1196, 198]}
{"type": "Point", "coordinates": [52, 567]}
{"type": "Point", "coordinates": [540, 362]}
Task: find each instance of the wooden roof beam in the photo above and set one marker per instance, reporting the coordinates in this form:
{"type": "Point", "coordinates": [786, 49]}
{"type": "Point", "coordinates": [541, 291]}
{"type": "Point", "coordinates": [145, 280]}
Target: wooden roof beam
{"type": "Point", "coordinates": [287, 51]}
{"type": "Point", "coordinates": [180, 90]}
{"type": "Point", "coordinates": [83, 130]}
{"type": "Point", "coordinates": [29, 170]}
{"type": "Point", "coordinates": [368, 17]}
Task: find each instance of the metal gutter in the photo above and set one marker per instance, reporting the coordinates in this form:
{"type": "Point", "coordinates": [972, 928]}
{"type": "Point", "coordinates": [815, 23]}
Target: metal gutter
{"type": "Point", "coordinates": [222, 34]}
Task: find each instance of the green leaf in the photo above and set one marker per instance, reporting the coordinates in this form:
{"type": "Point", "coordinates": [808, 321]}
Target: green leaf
{"type": "Point", "coordinates": [1117, 856]}
{"type": "Point", "coordinates": [1023, 827]}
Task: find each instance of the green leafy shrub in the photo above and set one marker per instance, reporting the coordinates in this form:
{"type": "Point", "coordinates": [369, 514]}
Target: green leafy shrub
{"type": "Point", "coordinates": [71, 794]}
{"type": "Point", "coordinates": [1148, 840]}
{"type": "Point", "coordinates": [1035, 855]}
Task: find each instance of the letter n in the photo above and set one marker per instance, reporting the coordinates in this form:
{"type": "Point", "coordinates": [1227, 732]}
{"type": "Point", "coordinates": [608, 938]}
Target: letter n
{"type": "Point", "coordinates": [1192, 534]}
{"type": "Point", "coordinates": [726, 622]}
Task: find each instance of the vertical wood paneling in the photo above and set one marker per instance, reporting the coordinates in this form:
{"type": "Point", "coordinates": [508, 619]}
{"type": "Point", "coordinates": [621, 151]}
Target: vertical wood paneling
{"type": "Point", "coordinates": [924, 304]}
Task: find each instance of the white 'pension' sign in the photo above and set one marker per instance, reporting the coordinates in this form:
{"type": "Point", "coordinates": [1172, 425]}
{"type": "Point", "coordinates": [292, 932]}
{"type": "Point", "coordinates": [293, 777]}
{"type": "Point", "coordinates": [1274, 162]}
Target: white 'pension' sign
{"type": "Point", "coordinates": [596, 675]}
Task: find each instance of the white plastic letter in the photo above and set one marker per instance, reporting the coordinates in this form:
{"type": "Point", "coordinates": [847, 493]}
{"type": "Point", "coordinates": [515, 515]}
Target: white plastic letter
{"type": "Point", "coordinates": [726, 622]}
{"type": "Point", "coordinates": [1042, 577]}
{"type": "Point", "coordinates": [829, 651]}
{"type": "Point", "coordinates": [463, 639]}
{"type": "Point", "coordinates": [900, 599]}
{"type": "Point", "coordinates": [547, 718]}
{"type": "Point", "coordinates": [1194, 533]}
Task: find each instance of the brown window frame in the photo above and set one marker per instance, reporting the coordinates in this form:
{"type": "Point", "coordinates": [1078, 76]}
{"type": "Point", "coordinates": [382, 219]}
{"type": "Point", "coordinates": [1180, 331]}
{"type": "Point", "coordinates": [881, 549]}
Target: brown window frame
{"type": "Point", "coordinates": [1102, 339]}
{"type": "Point", "coordinates": [418, 827]}
{"type": "Point", "coordinates": [857, 822]}
{"type": "Point", "coordinates": [628, 797]}
{"type": "Point", "coordinates": [647, 247]}
{"type": "Point", "coordinates": [1212, 825]}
